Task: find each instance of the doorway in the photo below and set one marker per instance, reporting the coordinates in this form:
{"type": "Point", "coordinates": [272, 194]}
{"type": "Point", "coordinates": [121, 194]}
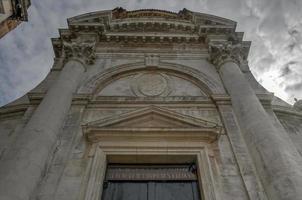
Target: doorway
{"type": "Point", "coordinates": [151, 182]}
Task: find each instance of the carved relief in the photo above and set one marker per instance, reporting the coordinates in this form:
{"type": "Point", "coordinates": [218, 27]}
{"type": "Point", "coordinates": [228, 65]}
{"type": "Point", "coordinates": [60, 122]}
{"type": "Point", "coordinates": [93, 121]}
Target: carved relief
{"type": "Point", "coordinates": [223, 52]}
{"type": "Point", "coordinates": [84, 51]}
{"type": "Point", "coordinates": [151, 84]}
{"type": "Point", "coordinates": [152, 60]}
{"type": "Point", "coordinates": [121, 13]}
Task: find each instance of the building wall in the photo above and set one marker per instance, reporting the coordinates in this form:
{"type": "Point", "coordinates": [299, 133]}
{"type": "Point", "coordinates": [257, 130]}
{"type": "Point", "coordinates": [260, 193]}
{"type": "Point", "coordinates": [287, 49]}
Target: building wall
{"type": "Point", "coordinates": [133, 87]}
{"type": "Point", "coordinates": [67, 167]}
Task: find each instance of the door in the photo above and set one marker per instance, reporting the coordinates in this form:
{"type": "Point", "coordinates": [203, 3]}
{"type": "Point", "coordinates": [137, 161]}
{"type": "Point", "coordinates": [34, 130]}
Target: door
{"type": "Point", "coordinates": [155, 182]}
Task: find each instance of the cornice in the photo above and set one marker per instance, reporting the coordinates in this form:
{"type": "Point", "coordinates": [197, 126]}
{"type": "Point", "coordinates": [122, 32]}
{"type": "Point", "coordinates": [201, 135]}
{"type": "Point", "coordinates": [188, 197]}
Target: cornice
{"type": "Point", "coordinates": [225, 99]}
{"type": "Point", "coordinates": [8, 112]}
{"type": "Point", "coordinates": [36, 98]}
{"type": "Point", "coordinates": [147, 26]}
{"type": "Point", "coordinates": [112, 102]}
{"type": "Point", "coordinates": [164, 54]}
{"type": "Point", "coordinates": [286, 111]}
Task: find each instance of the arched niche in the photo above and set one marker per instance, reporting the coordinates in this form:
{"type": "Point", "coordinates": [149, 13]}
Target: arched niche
{"type": "Point", "coordinates": [167, 79]}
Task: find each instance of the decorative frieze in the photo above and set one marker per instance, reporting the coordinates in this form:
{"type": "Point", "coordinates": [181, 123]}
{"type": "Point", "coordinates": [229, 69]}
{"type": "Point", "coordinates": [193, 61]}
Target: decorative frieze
{"type": "Point", "coordinates": [121, 13]}
{"type": "Point", "coordinates": [84, 51]}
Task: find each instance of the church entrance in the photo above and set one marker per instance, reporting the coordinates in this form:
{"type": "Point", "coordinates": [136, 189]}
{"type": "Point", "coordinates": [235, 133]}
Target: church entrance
{"type": "Point", "coordinates": [155, 182]}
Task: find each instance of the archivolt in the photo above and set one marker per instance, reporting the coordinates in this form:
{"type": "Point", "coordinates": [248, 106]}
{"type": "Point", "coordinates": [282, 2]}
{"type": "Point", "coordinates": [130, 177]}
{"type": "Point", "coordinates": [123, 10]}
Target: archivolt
{"type": "Point", "coordinates": [97, 82]}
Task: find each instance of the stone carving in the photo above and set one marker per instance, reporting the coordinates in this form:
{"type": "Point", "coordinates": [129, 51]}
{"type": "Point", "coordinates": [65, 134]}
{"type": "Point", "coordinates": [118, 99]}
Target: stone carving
{"type": "Point", "coordinates": [121, 13]}
{"type": "Point", "coordinates": [224, 52]}
{"type": "Point", "coordinates": [152, 60]}
{"type": "Point", "coordinates": [151, 84]}
{"type": "Point", "coordinates": [84, 51]}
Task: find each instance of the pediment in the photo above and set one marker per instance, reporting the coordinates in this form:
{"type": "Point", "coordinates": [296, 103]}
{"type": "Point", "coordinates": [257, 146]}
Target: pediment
{"type": "Point", "coordinates": [120, 15]}
{"type": "Point", "coordinates": [144, 26]}
{"type": "Point", "coordinates": [152, 120]}
{"type": "Point", "coordinates": [99, 17]}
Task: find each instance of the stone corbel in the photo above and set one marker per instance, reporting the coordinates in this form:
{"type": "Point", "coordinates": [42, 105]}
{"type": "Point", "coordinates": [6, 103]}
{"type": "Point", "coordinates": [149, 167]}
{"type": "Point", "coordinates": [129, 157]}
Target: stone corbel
{"type": "Point", "coordinates": [221, 53]}
{"type": "Point", "coordinates": [81, 51]}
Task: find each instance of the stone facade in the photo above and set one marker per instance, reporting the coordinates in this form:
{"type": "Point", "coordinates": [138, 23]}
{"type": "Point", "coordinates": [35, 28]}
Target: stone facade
{"type": "Point", "coordinates": [150, 86]}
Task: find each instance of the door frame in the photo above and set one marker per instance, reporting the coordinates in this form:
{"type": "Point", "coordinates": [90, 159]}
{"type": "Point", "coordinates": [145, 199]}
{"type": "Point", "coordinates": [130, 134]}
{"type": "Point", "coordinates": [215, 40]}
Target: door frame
{"type": "Point", "coordinates": [100, 154]}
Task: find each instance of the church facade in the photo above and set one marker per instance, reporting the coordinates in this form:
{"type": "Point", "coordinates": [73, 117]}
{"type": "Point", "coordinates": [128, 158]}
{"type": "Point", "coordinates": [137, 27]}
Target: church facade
{"type": "Point", "coordinates": [150, 104]}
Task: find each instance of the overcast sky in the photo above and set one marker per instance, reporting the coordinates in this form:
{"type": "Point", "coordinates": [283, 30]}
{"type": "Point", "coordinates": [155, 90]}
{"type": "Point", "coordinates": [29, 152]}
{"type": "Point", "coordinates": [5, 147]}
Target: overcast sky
{"type": "Point", "coordinates": [273, 26]}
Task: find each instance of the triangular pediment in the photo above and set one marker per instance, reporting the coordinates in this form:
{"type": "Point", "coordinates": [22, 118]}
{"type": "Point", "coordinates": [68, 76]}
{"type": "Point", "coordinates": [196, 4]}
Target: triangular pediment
{"type": "Point", "coordinates": [152, 116]}
{"type": "Point", "coordinates": [151, 120]}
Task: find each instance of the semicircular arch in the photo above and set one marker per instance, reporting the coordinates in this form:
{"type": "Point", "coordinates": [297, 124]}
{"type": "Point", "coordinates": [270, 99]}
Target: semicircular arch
{"type": "Point", "coordinates": [97, 82]}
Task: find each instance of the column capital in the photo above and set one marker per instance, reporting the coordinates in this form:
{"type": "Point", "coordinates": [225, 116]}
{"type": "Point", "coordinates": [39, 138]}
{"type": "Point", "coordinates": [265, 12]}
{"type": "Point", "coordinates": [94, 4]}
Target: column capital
{"type": "Point", "coordinates": [80, 51]}
{"type": "Point", "coordinates": [221, 53]}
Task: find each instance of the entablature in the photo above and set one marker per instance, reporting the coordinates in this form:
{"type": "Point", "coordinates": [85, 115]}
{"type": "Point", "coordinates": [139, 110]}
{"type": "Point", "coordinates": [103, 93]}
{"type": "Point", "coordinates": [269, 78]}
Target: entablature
{"type": "Point", "coordinates": [148, 26]}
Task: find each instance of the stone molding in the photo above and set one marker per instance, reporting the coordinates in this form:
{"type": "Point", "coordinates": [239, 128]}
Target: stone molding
{"type": "Point", "coordinates": [209, 86]}
{"type": "Point", "coordinates": [81, 51]}
{"type": "Point", "coordinates": [221, 53]}
{"type": "Point", "coordinates": [161, 121]}
{"type": "Point", "coordinates": [103, 152]}
{"type": "Point", "coordinates": [147, 26]}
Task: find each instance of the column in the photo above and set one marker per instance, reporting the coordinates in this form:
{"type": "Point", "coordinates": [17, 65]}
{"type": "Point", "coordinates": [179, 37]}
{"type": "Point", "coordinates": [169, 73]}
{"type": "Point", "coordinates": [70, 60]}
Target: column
{"type": "Point", "coordinates": [22, 167]}
{"type": "Point", "coordinates": [277, 161]}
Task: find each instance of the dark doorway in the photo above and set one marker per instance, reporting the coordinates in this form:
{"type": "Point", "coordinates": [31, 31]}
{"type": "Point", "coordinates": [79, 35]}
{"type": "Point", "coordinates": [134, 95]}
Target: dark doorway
{"type": "Point", "coordinates": [156, 182]}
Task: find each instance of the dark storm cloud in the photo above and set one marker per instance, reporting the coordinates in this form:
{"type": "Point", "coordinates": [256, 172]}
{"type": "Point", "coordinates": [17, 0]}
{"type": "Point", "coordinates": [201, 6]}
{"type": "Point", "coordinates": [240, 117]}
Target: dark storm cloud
{"type": "Point", "coordinates": [274, 27]}
{"type": "Point", "coordinates": [286, 70]}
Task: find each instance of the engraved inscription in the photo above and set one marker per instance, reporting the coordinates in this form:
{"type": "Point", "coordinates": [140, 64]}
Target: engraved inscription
{"type": "Point", "coordinates": [135, 174]}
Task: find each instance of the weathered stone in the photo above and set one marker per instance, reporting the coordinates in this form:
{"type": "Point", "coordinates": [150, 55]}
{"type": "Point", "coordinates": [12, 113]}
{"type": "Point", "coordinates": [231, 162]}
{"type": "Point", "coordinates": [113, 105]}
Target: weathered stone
{"type": "Point", "coordinates": [151, 97]}
{"type": "Point", "coordinates": [23, 165]}
{"type": "Point", "coordinates": [276, 159]}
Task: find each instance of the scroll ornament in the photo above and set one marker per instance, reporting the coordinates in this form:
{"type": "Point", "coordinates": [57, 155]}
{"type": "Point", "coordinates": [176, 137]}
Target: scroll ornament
{"type": "Point", "coordinates": [224, 52]}
{"type": "Point", "coordinates": [84, 51]}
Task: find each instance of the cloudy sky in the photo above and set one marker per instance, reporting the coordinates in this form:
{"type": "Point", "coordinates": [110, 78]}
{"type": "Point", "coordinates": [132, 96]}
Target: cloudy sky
{"type": "Point", "coordinates": [273, 26]}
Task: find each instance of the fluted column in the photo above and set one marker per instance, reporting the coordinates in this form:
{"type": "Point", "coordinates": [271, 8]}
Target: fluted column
{"type": "Point", "coordinates": [277, 161]}
{"type": "Point", "coordinates": [22, 167]}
